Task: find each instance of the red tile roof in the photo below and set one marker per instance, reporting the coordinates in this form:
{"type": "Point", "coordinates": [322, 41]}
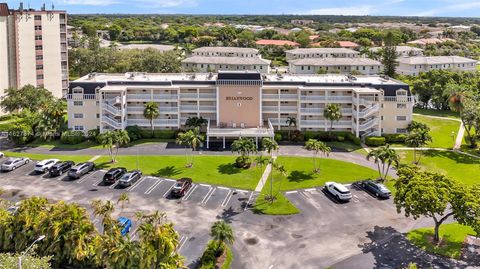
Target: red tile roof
{"type": "Point", "coordinates": [4, 10]}
{"type": "Point", "coordinates": [348, 44]}
{"type": "Point", "coordinates": [264, 42]}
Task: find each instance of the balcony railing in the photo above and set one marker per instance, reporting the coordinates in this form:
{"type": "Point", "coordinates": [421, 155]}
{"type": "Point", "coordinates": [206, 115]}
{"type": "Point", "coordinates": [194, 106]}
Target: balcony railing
{"type": "Point", "coordinates": [148, 97]}
{"type": "Point", "coordinates": [399, 99]}
{"type": "Point", "coordinates": [157, 122]}
{"type": "Point", "coordinates": [312, 98]}
{"type": "Point", "coordinates": [340, 98]}
{"type": "Point", "coordinates": [269, 96]}
{"type": "Point", "coordinates": [115, 124]}
{"type": "Point", "coordinates": [279, 109]}
{"type": "Point", "coordinates": [207, 96]}
{"type": "Point", "coordinates": [207, 108]}
{"type": "Point", "coordinates": [134, 109]}
{"type": "Point", "coordinates": [188, 107]}
{"type": "Point", "coordinates": [82, 97]}
{"type": "Point", "coordinates": [312, 123]}
{"type": "Point", "coordinates": [311, 110]}
{"type": "Point", "coordinates": [188, 95]}
{"type": "Point", "coordinates": [168, 109]}
{"type": "Point", "coordinates": [111, 109]}
{"type": "Point", "coordinates": [277, 121]}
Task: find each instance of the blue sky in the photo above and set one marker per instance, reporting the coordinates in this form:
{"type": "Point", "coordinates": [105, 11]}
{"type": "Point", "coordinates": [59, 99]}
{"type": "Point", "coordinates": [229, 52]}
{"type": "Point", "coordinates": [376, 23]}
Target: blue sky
{"type": "Point", "coordinates": [452, 8]}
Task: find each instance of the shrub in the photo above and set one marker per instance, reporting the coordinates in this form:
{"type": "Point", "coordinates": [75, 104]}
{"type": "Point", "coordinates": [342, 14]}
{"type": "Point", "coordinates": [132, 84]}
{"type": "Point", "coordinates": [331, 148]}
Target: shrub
{"type": "Point", "coordinates": [375, 141]}
{"type": "Point", "coordinates": [395, 138]}
{"type": "Point", "coordinates": [296, 136]}
{"type": "Point", "coordinates": [210, 255]}
{"type": "Point", "coordinates": [243, 162]}
{"type": "Point", "coordinates": [134, 132]}
{"type": "Point", "coordinates": [164, 134]}
{"type": "Point", "coordinates": [72, 137]}
{"type": "Point", "coordinates": [310, 135]}
{"type": "Point", "coordinates": [340, 138]}
{"type": "Point", "coordinates": [357, 141]}
{"type": "Point", "coordinates": [92, 134]}
{"type": "Point", "coordinates": [20, 134]}
{"type": "Point", "coordinates": [278, 137]}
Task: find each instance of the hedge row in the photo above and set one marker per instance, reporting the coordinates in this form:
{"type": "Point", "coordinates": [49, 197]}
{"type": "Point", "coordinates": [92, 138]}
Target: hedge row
{"type": "Point", "coordinates": [319, 135]}
{"type": "Point", "coordinates": [136, 133]}
{"type": "Point", "coordinates": [375, 141]}
{"type": "Point", "coordinates": [395, 138]}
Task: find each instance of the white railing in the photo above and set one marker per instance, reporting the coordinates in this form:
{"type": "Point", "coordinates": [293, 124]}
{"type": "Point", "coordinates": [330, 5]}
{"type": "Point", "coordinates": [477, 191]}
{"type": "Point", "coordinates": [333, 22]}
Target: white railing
{"type": "Point", "coordinates": [189, 95]}
{"type": "Point", "coordinates": [168, 109]}
{"type": "Point", "coordinates": [207, 96]}
{"type": "Point", "coordinates": [82, 97]}
{"type": "Point", "coordinates": [157, 122]}
{"type": "Point", "coordinates": [207, 108]}
{"type": "Point", "coordinates": [371, 133]}
{"type": "Point", "coordinates": [312, 97]}
{"type": "Point", "coordinates": [364, 101]}
{"type": "Point", "coordinates": [189, 107]}
{"type": "Point", "coordinates": [111, 109]}
{"type": "Point", "coordinates": [288, 109]}
{"type": "Point", "coordinates": [288, 96]}
{"type": "Point", "coordinates": [339, 98]}
{"type": "Point", "coordinates": [368, 124]}
{"type": "Point", "coordinates": [277, 121]}
{"type": "Point", "coordinates": [312, 123]}
{"type": "Point", "coordinates": [148, 97]}
{"type": "Point", "coordinates": [399, 99]}
{"type": "Point", "coordinates": [368, 111]}
{"type": "Point", "coordinates": [347, 111]}
{"type": "Point", "coordinates": [115, 124]}
{"type": "Point", "coordinates": [312, 110]}
{"type": "Point", "coordinates": [131, 109]}
{"type": "Point", "coordinates": [270, 108]}
{"type": "Point", "coordinates": [342, 123]}
{"type": "Point", "coordinates": [269, 96]}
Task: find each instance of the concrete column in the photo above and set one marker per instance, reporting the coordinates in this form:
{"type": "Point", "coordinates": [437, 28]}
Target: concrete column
{"type": "Point", "coordinates": [224, 142]}
{"type": "Point", "coordinates": [358, 111]}
{"type": "Point", "coordinates": [208, 141]}
{"type": "Point", "coordinates": [256, 142]}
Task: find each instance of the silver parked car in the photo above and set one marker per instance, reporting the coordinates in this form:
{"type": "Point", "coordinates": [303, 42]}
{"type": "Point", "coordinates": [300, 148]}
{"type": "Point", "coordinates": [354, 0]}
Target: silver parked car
{"type": "Point", "coordinates": [13, 163]}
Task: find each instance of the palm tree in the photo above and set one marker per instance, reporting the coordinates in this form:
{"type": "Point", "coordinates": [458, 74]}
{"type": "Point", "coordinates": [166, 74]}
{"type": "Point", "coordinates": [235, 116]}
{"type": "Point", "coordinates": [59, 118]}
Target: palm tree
{"type": "Point", "coordinates": [332, 113]}
{"type": "Point", "coordinates": [417, 139]}
{"type": "Point", "coordinates": [244, 147]}
{"type": "Point", "coordinates": [317, 146]}
{"type": "Point", "coordinates": [280, 169]}
{"type": "Point", "coordinates": [384, 157]}
{"type": "Point", "coordinates": [191, 138]}
{"type": "Point", "coordinates": [194, 122]}
{"type": "Point", "coordinates": [123, 199]}
{"type": "Point", "coordinates": [151, 112]}
{"type": "Point", "coordinates": [113, 140]}
{"type": "Point", "coordinates": [291, 121]}
{"type": "Point", "coordinates": [270, 146]}
{"type": "Point", "coordinates": [222, 233]}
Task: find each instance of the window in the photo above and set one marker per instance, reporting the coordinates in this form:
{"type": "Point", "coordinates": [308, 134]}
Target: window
{"type": "Point", "coordinates": [401, 130]}
{"type": "Point", "coordinates": [401, 118]}
{"type": "Point", "coordinates": [78, 128]}
{"type": "Point", "coordinates": [39, 57]}
{"type": "Point", "coordinates": [39, 66]}
{"type": "Point", "coordinates": [38, 17]}
{"type": "Point", "coordinates": [78, 116]}
{"type": "Point", "coordinates": [78, 103]}
{"type": "Point", "coordinates": [38, 37]}
{"type": "Point", "coordinates": [39, 76]}
{"type": "Point", "coordinates": [401, 106]}
{"type": "Point", "coordinates": [401, 92]}
{"type": "Point", "coordinates": [38, 27]}
{"type": "Point", "coordinates": [78, 91]}
{"type": "Point", "coordinates": [98, 116]}
{"type": "Point", "coordinates": [38, 47]}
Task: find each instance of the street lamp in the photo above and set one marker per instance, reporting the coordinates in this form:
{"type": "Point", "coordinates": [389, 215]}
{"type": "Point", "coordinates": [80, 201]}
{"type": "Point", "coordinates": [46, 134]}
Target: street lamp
{"type": "Point", "coordinates": [40, 238]}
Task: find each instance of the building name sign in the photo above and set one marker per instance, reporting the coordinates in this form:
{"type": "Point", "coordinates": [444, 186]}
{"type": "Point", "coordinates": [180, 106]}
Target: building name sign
{"type": "Point", "coordinates": [239, 98]}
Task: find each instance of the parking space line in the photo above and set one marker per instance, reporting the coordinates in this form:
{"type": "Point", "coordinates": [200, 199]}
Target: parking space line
{"type": "Point", "coordinates": [209, 194]}
{"type": "Point", "coordinates": [114, 185]}
{"type": "Point", "coordinates": [290, 192]}
{"type": "Point", "coordinates": [248, 202]}
{"type": "Point", "coordinates": [131, 188]}
{"type": "Point", "coordinates": [190, 192]}
{"type": "Point", "coordinates": [205, 185]}
{"type": "Point", "coordinates": [227, 198]}
{"type": "Point", "coordinates": [182, 242]}
{"type": "Point", "coordinates": [168, 179]}
{"type": "Point", "coordinates": [96, 183]}
{"type": "Point", "coordinates": [309, 198]}
{"type": "Point", "coordinates": [153, 186]}
{"type": "Point", "coordinates": [166, 193]}
{"type": "Point", "coordinates": [223, 188]}
{"type": "Point", "coordinates": [88, 176]}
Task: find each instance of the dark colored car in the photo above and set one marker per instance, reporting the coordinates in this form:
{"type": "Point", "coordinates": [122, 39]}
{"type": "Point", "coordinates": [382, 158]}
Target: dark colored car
{"type": "Point", "coordinates": [181, 187]}
{"type": "Point", "coordinates": [81, 169]}
{"type": "Point", "coordinates": [130, 178]}
{"type": "Point", "coordinates": [377, 189]}
{"type": "Point", "coordinates": [60, 168]}
{"type": "Point", "coordinates": [125, 225]}
{"type": "Point", "coordinates": [113, 175]}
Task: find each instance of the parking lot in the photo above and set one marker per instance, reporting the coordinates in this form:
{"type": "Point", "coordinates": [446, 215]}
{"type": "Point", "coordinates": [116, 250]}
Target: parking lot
{"type": "Point", "coordinates": [155, 191]}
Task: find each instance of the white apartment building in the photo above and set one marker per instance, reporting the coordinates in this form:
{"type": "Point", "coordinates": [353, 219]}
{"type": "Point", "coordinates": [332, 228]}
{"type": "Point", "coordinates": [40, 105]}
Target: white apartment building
{"type": "Point", "coordinates": [33, 49]}
{"type": "Point", "coordinates": [213, 59]}
{"type": "Point", "coordinates": [309, 53]}
{"type": "Point", "coordinates": [402, 51]}
{"type": "Point", "coordinates": [246, 104]}
{"type": "Point", "coordinates": [416, 65]}
{"type": "Point", "coordinates": [362, 66]}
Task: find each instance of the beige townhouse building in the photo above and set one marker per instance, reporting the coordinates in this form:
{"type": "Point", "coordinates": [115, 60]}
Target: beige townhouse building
{"type": "Point", "coordinates": [308, 53]}
{"type": "Point", "coordinates": [213, 59]}
{"type": "Point", "coordinates": [364, 66]}
{"type": "Point", "coordinates": [413, 66]}
{"type": "Point", "coordinates": [402, 51]}
{"type": "Point", "coordinates": [33, 49]}
{"type": "Point", "coordinates": [246, 103]}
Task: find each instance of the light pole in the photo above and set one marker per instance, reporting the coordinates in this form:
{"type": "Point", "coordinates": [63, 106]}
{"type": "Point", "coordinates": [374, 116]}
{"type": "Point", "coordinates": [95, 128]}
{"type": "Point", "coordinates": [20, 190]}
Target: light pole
{"type": "Point", "coordinates": [26, 251]}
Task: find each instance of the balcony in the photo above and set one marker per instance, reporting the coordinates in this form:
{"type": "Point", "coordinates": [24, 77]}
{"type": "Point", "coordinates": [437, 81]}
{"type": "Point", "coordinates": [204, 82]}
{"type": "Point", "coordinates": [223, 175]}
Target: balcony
{"type": "Point", "coordinates": [267, 96]}
{"type": "Point", "coordinates": [340, 98]}
{"type": "Point", "coordinates": [277, 121]}
{"type": "Point", "coordinates": [207, 108]}
{"type": "Point", "coordinates": [288, 96]}
{"type": "Point", "coordinates": [347, 111]}
{"type": "Point", "coordinates": [157, 122]}
{"type": "Point", "coordinates": [399, 99]}
{"type": "Point", "coordinates": [82, 97]}
{"type": "Point", "coordinates": [312, 98]}
{"type": "Point", "coordinates": [113, 123]}
{"type": "Point", "coordinates": [188, 96]}
{"type": "Point", "coordinates": [135, 109]}
{"type": "Point", "coordinates": [311, 110]}
{"type": "Point", "coordinates": [312, 123]}
{"type": "Point", "coordinates": [189, 108]}
{"type": "Point", "coordinates": [168, 109]}
{"type": "Point", "coordinates": [210, 96]}
{"type": "Point", "coordinates": [149, 97]}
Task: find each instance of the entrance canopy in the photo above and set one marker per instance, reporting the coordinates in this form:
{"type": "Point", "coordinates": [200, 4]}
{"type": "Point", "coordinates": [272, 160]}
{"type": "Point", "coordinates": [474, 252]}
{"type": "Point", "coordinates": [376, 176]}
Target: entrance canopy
{"type": "Point", "coordinates": [259, 132]}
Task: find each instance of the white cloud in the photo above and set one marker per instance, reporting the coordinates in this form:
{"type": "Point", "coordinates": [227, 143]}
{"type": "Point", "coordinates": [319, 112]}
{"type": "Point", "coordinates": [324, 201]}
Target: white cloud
{"type": "Point", "coordinates": [456, 7]}
{"type": "Point", "coordinates": [352, 10]}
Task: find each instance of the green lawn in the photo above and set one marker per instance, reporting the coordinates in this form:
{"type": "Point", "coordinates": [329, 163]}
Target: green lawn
{"type": "Point", "coordinates": [148, 142]}
{"type": "Point", "coordinates": [300, 172]}
{"type": "Point", "coordinates": [454, 165]}
{"type": "Point", "coordinates": [37, 157]}
{"type": "Point", "coordinates": [436, 112]}
{"type": "Point", "coordinates": [347, 146]}
{"type": "Point", "coordinates": [281, 206]}
{"type": "Point", "coordinates": [58, 144]}
{"type": "Point", "coordinates": [7, 124]}
{"type": "Point", "coordinates": [217, 170]}
{"type": "Point", "coordinates": [443, 132]}
{"type": "Point", "coordinates": [452, 237]}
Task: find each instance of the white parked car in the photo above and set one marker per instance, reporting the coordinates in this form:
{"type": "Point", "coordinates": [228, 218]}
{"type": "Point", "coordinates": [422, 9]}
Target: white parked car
{"type": "Point", "coordinates": [45, 165]}
{"type": "Point", "coordinates": [13, 163]}
{"type": "Point", "coordinates": [339, 191]}
{"type": "Point", "coordinates": [2, 155]}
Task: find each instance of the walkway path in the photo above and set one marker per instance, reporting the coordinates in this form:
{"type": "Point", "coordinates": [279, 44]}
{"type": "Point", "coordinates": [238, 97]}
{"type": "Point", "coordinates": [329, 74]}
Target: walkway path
{"type": "Point", "coordinates": [265, 175]}
{"type": "Point", "coordinates": [459, 140]}
{"type": "Point", "coordinates": [436, 117]}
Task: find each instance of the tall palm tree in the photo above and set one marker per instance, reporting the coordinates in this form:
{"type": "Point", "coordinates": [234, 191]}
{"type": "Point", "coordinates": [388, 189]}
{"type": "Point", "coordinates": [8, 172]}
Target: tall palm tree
{"type": "Point", "coordinates": [332, 112]}
{"type": "Point", "coordinates": [193, 139]}
{"type": "Point", "coordinates": [270, 146]}
{"type": "Point", "coordinates": [113, 140]}
{"type": "Point", "coordinates": [123, 199]}
{"type": "Point", "coordinates": [151, 112]}
{"type": "Point", "coordinates": [384, 157]}
{"type": "Point", "coordinates": [281, 171]}
{"type": "Point", "coordinates": [316, 147]}
{"type": "Point", "coordinates": [417, 139]}
{"type": "Point", "coordinates": [291, 121]}
{"type": "Point", "coordinates": [222, 233]}
{"type": "Point", "coordinates": [244, 146]}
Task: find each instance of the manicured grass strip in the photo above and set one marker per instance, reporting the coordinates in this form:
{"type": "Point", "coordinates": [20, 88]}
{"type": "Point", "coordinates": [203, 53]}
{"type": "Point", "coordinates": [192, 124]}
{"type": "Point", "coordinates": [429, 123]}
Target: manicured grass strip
{"type": "Point", "coordinates": [58, 144]}
{"type": "Point", "coordinates": [457, 166]}
{"type": "Point", "coordinates": [452, 237]}
{"type": "Point", "coordinates": [281, 206]}
{"type": "Point", "coordinates": [228, 258]}
{"type": "Point", "coordinates": [38, 157]}
{"type": "Point", "coordinates": [216, 170]}
{"type": "Point", "coordinates": [443, 132]}
{"type": "Point", "coordinates": [300, 172]}
{"type": "Point", "coordinates": [437, 113]}
{"type": "Point", "coordinates": [346, 146]}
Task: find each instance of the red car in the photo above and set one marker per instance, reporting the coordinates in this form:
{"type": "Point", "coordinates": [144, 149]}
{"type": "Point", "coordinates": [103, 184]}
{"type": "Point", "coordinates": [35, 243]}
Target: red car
{"type": "Point", "coordinates": [181, 187]}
